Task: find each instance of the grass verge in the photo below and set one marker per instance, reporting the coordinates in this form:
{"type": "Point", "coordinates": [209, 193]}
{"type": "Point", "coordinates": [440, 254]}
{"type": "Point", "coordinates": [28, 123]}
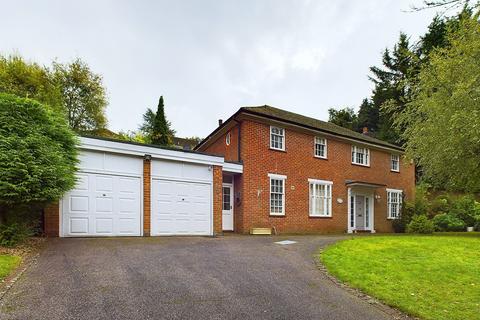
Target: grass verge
{"type": "Point", "coordinates": [7, 264]}
{"type": "Point", "coordinates": [432, 277]}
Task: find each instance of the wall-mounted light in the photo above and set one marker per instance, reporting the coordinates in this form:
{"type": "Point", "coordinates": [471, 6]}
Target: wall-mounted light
{"type": "Point", "coordinates": [147, 157]}
{"type": "Point", "coordinates": [377, 197]}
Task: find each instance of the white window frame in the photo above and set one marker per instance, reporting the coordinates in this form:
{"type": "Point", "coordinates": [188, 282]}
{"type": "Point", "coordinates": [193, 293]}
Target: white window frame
{"type": "Point", "coordinates": [327, 204]}
{"type": "Point", "coordinates": [316, 141]}
{"type": "Point", "coordinates": [228, 138]}
{"type": "Point", "coordinates": [281, 137]}
{"type": "Point", "coordinates": [281, 178]}
{"type": "Point", "coordinates": [390, 203]}
{"type": "Point", "coordinates": [366, 156]}
{"type": "Point", "coordinates": [394, 158]}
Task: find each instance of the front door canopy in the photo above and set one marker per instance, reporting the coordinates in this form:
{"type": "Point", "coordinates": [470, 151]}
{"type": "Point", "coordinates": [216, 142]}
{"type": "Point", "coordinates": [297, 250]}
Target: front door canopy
{"type": "Point", "coordinates": [356, 183]}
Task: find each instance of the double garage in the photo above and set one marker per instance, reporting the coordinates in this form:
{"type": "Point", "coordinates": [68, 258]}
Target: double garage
{"type": "Point", "coordinates": [128, 189]}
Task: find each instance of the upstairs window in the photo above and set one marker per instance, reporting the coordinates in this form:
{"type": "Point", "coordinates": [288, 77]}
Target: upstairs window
{"type": "Point", "coordinates": [320, 147]}
{"type": "Point", "coordinates": [227, 139]}
{"type": "Point", "coordinates": [394, 203]}
{"type": "Point", "coordinates": [360, 156]}
{"type": "Point", "coordinates": [320, 198]}
{"type": "Point", "coordinates": [395, 163]}
{"type": "Point", "coordinates": [277, 194]}
{"type": "Point", "coordinates": [277, 138]}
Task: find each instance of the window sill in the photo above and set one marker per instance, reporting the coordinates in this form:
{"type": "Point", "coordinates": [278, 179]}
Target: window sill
{"type": "Point", "coordinates": [361, 165]}
{"type": "Point", "coordinates": [320, 217]}
{"type": "Point", "coordinates": [388, 218]}
{"type": "Point", "coordinates": [322, 158]}
{"type": "Point", "coordinates": [395, 171]}
{"type": "Point", "coordinates": [277, 215]}
{"type": "Point", "coordinates": [281, 150]}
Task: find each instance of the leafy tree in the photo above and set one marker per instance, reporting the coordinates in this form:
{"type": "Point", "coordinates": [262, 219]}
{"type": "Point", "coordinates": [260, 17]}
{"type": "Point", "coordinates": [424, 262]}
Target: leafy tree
{"type": "Point", "coordinates": [29, 80]}
{"type": "Point", "coordinates": [134, 136]}
{"type": "Point", "coordinates": [156, 127]}
{"type": "Point", "coordinates": [442, 121]}
{"type": "Point", "coordinates": [38, 154]}
{"type": "Point", "coordinates": [345, 117]}
{"type": "Point", "coordinates": [70, 89]}
{"type": "Point", "coordinates": [83, 95]}
{"type": "Point", "coordinates": [445, 5]}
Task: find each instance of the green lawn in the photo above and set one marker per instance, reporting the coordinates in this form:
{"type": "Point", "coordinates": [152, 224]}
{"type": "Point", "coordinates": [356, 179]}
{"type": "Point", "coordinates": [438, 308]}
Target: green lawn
{"type": "Point", "coordinates": [432, 277]}
{"type": "Point", "coordinates": [7, 264]}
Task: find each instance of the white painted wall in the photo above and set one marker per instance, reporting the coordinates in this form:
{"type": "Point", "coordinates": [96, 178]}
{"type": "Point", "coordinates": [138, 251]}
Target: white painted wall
{"type": "Point", "coordinates": [97, 161]}
{"type": "Point", "coordinates": [181, 171]}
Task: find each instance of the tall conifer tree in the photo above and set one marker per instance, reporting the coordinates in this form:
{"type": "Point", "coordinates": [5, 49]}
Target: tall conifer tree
{"type": "Point", "coordinates": [161, 134]}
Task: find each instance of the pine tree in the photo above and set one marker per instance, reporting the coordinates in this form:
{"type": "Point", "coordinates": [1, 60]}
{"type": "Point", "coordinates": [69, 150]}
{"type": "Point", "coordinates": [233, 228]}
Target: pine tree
{"type": "Point", "coordinates": [393, 82]}
{"type": "Point", "coordinates": [161, 133]}
{"type": "Point", "coordinates": [368, 116]}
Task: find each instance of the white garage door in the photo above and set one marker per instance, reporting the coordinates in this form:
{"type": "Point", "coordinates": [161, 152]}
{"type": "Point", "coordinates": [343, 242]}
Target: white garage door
{"type": "Point", "coordinates": [102, 205]}
{"type": "Point", "coordinates": [181, 208]}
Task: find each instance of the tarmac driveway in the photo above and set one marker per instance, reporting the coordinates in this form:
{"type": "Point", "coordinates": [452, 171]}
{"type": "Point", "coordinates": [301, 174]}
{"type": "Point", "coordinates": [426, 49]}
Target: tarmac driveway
{"type": "Point", "coordinates": [233, 277]}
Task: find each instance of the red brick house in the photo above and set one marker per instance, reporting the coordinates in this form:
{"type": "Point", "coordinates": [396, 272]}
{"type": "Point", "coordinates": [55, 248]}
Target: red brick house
{"type": "Point", "coordinates": [263, 167]}
{"type": "Point", "coordinates": [305, 175]}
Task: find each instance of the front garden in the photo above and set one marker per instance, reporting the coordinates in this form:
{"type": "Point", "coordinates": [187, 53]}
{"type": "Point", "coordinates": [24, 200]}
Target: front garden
{"type": "Point", "coordinates": [429, 276]}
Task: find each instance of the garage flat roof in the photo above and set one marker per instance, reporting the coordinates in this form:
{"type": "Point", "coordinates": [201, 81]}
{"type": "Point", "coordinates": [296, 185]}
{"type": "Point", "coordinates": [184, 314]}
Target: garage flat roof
{"type": "Point", "coordinates": [156, 152]}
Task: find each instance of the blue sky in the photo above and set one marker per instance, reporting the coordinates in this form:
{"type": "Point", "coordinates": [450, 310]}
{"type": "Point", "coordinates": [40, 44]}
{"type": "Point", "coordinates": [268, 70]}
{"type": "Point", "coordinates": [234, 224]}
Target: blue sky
{"type": "Point", "coordinates": [208, 58]}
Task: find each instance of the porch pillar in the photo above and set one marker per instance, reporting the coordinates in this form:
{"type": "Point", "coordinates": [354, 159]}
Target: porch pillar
{"type": "Point", "coordinates": [349, 213]}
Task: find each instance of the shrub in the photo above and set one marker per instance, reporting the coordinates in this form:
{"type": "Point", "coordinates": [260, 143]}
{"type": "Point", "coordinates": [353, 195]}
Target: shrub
{"type": "Point", "coordinates": [411, 208]}
{"type": "Point", "coordinates": [441, 204]}
{"type": "Point", "coordinates": [448, 222]}
{"type": "Point", "coordinates": [38, 154]}
{"type": "Point", "coordinates": [477, 223]}
{"type": "Point", "coordinates": [406, 214]}
{"type": "Point", "coordinates": [466, 209]}
{"type": "Point", "coordinates": [13, 234]}
{"type": "Point", "coordinates": [420, 224]}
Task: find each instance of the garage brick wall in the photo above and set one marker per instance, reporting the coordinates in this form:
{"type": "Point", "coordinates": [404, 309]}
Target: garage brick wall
{"type": "Point", "coordinates": [298, 163]}
{"type": "Point", "coordinates": [51, 220]}
{"type": "Point", "coordinates": [147, 167]}
{"type": "Point", "coordinates": [217, 200]}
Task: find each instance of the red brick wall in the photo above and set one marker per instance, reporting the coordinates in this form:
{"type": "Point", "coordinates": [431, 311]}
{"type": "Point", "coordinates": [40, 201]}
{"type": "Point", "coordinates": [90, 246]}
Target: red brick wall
{"type": "Point", "coordinates": [147, 164]}
{"type": "Point", "coordinates": [217, 200]}
{"type": "Point", "coordinates": [219, 147]}
{"type": "Point", "coordinates": [299, 164]}
{"type": "Point", "coordinates": [238, 204]}
{"type": "Point", "coordinates": [51, 222]}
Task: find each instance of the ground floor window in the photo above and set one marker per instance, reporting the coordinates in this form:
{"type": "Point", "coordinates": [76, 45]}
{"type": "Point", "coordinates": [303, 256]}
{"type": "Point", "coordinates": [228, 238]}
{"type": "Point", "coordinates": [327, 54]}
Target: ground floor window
{"type": "Point", "coordinates": [394, 203]}
{"type": "Point", "coordinates": [320, 198]}
{"type": "Point", "coordinates": [277, 194]}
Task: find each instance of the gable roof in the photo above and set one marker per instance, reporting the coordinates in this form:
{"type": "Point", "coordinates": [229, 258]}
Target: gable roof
{"type": "Point", "coordinates": [306, 122]}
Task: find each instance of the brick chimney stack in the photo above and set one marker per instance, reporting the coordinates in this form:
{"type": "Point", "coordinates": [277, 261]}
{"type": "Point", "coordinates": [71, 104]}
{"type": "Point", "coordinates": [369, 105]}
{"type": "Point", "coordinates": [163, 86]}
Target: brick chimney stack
{"type": "Point", "coordinates": [365, 131]}
{"type": "Point", "coordinates": [220, 122]}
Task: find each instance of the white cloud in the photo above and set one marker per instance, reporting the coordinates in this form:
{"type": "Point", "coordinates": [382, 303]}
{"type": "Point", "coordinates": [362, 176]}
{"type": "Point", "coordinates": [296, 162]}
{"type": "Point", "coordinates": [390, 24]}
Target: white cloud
{"type": "Point", "coordinates": [308, 59]}
{"type": "Point", "coordinates": [210, 57]}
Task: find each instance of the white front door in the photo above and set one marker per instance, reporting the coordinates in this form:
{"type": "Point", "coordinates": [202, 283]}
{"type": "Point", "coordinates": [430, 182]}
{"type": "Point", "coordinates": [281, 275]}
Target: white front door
{"type": "Point", "coordinates": [102, 205]}
{"type": "Point", "coordinates": [227, 207]}
{"type": "Point", "coordinates": [361, 212]}
{"type": "Point", "coordinates": [181, 208]}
